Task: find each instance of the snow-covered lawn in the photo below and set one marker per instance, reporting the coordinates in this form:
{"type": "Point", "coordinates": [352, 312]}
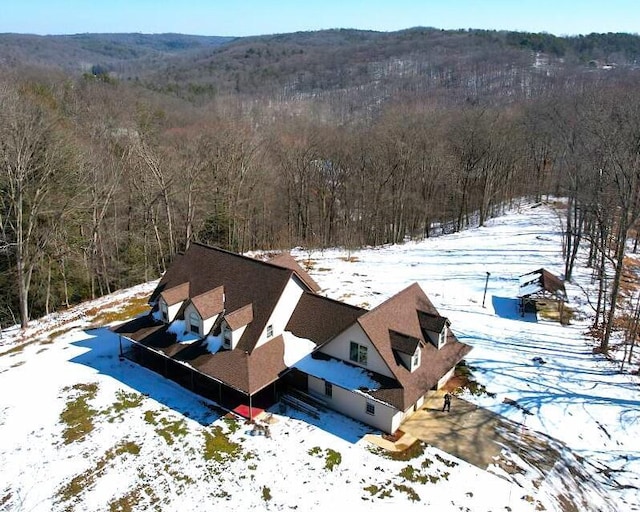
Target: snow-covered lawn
{"type": "Point", "coordinates": [82, 430]}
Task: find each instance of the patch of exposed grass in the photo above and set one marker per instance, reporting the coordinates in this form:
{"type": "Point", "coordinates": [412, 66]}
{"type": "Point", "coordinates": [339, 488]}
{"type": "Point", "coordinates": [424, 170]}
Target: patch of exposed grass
{"type": "Point", "coordinates": [79, 483]}
{"type": "Point", "coordinates": [266, 493]}
{"type": "Point", "coordinates": [18, 348]}
{"type": "Point", "coordinates": [218, 447]}
{"type": "Point", "coordinates": [372, 489]}
{"type": "Point", "coordinates": [463, 379]}
{"type": "Point", "coordinates": [414, 451]}
{"type": "Point", "coordinates": [169, 430]}
{"type": "Point", "coordinates": [128, 502]}
{"type": "Point", "coordinates": [448, 463]}
{"type": "Point", "coordinates": [555, 311]}
{"type": "Point", "coordinates": [56, 334]}
{"type": "Point", "coordinates": [150, 417]}
{"type": "Point", "coordinates": [333, 459]}
{"type": "Point", "coordinates": [232, 423]}
{"type": "Point", "coordinates": [411, 494]}
{"type": "Point", "coordinates": [134, 307]}
{"type": "Point", "coordinates": [350, 259]}
{"type": "Point", "coordinates": [165, 428]}
{"type": "Point", "coordinates": [78, 414]}
{"type": "Point", "coordinates": [315, 450]}
{"type": "Point", "coordinates": [410, 474]}
{"type": "Point", "coordinates": [127, 447]}
{"type": "Point", "coordinates": [72, 490]}
{"type": "Point", "coordinates": [380, 492]}
{"type": "Point", "coordinates": [124, 401]}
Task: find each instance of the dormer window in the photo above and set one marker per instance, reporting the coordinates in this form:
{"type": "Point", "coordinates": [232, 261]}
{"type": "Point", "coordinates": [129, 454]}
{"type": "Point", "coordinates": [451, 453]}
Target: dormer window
{"type": "Point", "coordinates": [194, 322]}
{"type": "Point", "coordinates": [269, 331]}
{"type": "Point", "coordinates": [226, 336]}
{"type": "Point", "coordinates": [442, 337]}
{"type": "Point", "coordinates": [415, 360]}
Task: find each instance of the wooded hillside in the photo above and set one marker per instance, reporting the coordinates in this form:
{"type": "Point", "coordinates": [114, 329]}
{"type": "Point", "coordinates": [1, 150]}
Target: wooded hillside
{"type": "Point", "coordinates": [118, 151]}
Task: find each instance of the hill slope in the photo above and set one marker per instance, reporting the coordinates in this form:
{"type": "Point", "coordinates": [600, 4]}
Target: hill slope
{"type": "Point", "coordinates": [105, 434]}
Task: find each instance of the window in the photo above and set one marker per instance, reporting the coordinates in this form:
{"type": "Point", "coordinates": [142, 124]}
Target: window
{"type": "Point", "coordinates": [226, 336]}
{"type": "Point", "coordinates": [270, 331]}
{"type": "Point", "coordinates": [194, 322]}
{"type": "Point", "coordinates": [371, 409]}
{"type": "Point", "coordinates": [415, 360]}
{"type": "Point", "coordinates": [358, 353]}
{"type": "Point", "coordinates": [328, 389]}
{"type": "Point", "coordinates": [443, 337]}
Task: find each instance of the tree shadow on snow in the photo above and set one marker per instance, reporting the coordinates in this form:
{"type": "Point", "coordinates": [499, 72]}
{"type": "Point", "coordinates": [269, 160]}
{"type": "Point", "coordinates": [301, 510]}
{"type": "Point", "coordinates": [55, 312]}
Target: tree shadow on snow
{"type": "Point", "coordinates": [103, 354]}
{"type": "Point", "coordinates": [508, 307]}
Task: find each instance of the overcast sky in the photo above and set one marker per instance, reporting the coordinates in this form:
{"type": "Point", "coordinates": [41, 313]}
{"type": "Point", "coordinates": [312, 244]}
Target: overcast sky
{"type": "Point", "coordinates": [257, 17]}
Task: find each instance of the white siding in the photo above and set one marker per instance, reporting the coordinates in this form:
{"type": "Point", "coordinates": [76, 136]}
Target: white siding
{"type": "Point", "coordinates": [444, 379]}
{"type": "Point", "coordinates": [208, 324]}
{"type": "Point", "coordinates": [339, 348]}
{"type": "Point", "coordinates": [187, 318]}
{"type": "Point", "coordinates": [386, 418]}
{"type": "Point", "coordinates": [235, 335]}
{"type": "Point", "coordinates": [284, 309]}
{"type": "Point", "coordinates": [173, 310]}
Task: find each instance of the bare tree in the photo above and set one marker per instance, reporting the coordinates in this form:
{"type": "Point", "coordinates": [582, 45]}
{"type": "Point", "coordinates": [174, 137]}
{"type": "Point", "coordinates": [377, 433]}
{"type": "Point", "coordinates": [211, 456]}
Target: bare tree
{"type": "Point", "coordinates": [32, 155]}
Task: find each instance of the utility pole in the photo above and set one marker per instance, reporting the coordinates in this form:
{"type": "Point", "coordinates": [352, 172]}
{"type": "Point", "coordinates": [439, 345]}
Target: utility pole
{"type": "Point", "coordinates": [486, 283]}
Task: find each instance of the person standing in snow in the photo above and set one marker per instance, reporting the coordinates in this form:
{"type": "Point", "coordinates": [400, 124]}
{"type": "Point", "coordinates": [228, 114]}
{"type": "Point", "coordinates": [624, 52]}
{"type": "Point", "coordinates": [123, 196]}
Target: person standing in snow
{"type": "Point", "coordinates": [447, 402]}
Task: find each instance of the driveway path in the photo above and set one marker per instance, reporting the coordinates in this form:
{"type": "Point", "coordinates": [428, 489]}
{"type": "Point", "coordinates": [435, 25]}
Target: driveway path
{"type": "Point", "coordinates": [483, 438]}
{"type": "Point", "coordinates": [467, 431]}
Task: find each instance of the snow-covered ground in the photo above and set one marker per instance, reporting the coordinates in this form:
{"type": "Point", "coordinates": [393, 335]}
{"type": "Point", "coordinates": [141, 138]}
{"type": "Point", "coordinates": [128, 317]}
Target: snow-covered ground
{"type": "Point", "coordinates": [153, 445]}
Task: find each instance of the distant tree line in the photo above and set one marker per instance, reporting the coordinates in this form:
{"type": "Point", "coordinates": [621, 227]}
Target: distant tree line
{"type": "Point", "coordinates": [103, 182]}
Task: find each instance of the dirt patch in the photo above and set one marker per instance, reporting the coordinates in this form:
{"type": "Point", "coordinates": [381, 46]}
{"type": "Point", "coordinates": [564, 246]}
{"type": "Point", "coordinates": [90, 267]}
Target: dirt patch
{"type": "Point", "coordinates": [393, 437]}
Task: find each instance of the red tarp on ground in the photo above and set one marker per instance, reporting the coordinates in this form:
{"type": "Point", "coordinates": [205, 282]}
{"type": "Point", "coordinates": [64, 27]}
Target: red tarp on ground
{"type": "Point", "coordinates": [243, 410]}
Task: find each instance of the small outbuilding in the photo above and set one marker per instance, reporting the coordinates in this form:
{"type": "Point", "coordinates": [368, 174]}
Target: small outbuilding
{"type": "Point", "coordinates": [540, 285]}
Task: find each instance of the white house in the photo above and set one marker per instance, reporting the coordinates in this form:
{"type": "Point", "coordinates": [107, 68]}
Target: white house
{"type": "Point", "coordinates": [261, 327]}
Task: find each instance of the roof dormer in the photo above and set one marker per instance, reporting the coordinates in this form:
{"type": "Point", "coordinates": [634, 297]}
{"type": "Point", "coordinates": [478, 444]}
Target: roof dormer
{"type": "Point", "coordinates": [434, 328]}
{"type": "Point", "coordinates": [234, 324]}
{"type": "Point", "coordinates": [407, 349]}
{"type": "Point", "coordinates": [171, 300]}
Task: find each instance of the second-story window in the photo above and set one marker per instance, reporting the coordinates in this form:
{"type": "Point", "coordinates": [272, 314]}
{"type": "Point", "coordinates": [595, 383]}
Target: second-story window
{"type": "Point", "coordinates": [194, 322]}
{"type": "Point", "coordinates": [226, 336]}
{"type": "Point", "coordinates": [358, 353]}
{"type": "Point", "coordinates": [415, 360]}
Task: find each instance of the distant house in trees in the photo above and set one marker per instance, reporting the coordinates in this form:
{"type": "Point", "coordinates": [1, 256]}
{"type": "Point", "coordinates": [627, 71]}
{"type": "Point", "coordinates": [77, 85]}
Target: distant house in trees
{"type": "Point", "coordinates": [245, 332]}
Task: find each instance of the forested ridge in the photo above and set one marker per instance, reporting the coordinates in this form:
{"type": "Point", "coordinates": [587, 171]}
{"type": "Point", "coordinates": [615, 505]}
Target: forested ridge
{"type": "Point", "coordinates": [118, 151]}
